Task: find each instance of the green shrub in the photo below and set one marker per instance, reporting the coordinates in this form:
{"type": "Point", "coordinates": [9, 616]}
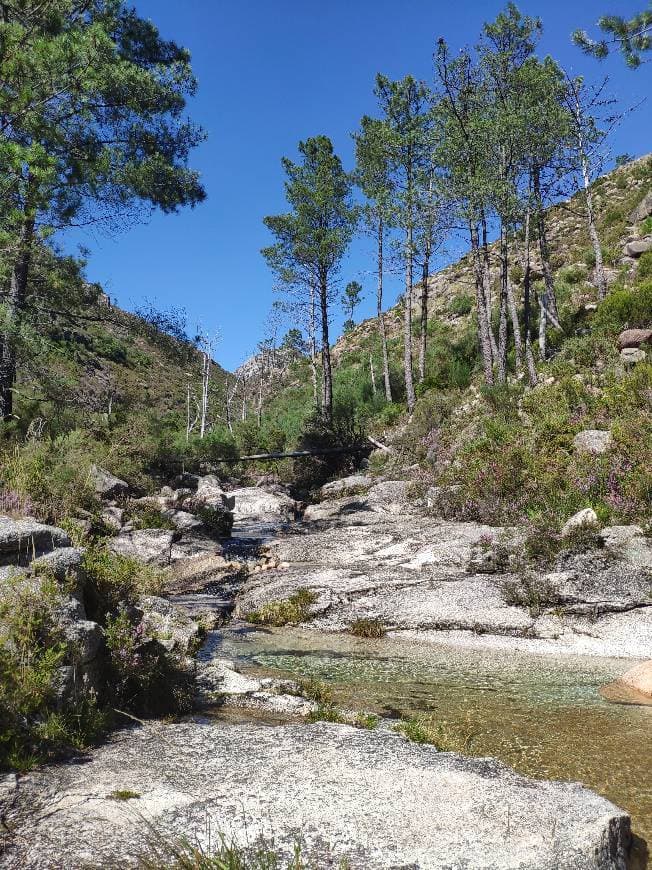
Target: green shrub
{"type": "Point", "coordinates": [366, 627]}
{"type": "Point", "coordinates": [646, 227]}
{"type": "Point", "coordinates": [625, 309]}
{"type": "Point", "coordinates": [113, 580]}
{"type": "Point", "coordinates": [644, 268]}
{"type": "Point", "coordinates": [461, 304]}
{"type": "Point", "coordinates": [149, 517]}
{"type": "Point", "coordinates": [294, 609]}
{"type": "Point", "coordinates": [444, 736]}
{"type": "Point", "coordinates": [531, 592]}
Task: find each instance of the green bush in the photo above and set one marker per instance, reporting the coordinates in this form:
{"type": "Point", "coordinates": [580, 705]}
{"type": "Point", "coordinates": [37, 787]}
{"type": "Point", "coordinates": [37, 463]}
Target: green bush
{"type": "Point", "coordinates": [625, 309]}
{"type": "Point", "coordinates": [461, 304]}
{"type": "Point", "coordinates": [294, 609]}
{"type": "Point", "coordinates": [113, 580]}
{"type": "Point", "coordinates": [644, 268]}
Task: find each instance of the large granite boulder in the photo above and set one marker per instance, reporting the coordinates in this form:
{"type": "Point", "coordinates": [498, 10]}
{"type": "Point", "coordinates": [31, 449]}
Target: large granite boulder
{"type": "Point", "coordinates": [253, 501]}
{"type": "Point", "coordinates": [23, 540]}
{"type": "Point", "coordinates": [638, 247]}
{"type": "Point", "coordinates": [639, 678]}
{"type": "Point", "coordinates": [642, 210]}
{"type": "Point", "coordinates": [634, 338]}
{"type": "Point", "coordinates": [371, 799]}
{"type": "Point", "coordinates": [150, 546]}
{"type": "Point", "coordinates": [107, 485]}
{"type": "Point", "coordinates": [352, 485]}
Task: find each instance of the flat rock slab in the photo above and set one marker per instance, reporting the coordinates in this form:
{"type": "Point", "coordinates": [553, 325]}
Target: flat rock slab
{"type": "Point", "coordinates": [370, 797]}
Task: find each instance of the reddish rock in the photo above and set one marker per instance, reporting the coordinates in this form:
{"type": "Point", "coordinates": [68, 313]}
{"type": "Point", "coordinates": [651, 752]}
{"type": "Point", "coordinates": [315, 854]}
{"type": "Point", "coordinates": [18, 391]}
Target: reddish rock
{"type": "Point", "coordinates": [634, 338]}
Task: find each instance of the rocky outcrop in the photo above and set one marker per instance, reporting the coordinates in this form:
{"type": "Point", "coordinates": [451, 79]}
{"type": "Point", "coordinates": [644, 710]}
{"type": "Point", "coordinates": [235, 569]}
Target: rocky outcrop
{"type": "Point", "coordinates": [634, 338]}
{"type": "Point", "coordinates": [632, 355]}
{"type": "Point", "coordinates": [370, 798]}
{"type": "Point", "coordinates": [637, 247]}
{"type": "Point", "coordinates": [262, 503]}
{"type": "Point", "coordinates": [23, 540]}
{"type": "Point", "coordinates": [106, 485]}
{"type": "Point", "coordinates": [585, 517]}
{"type": "Point", "coordinates": [642, 210]}
{"type": "Point", "coordinates": [150, 546]}
{"type": "Point", "coordinates": [639, 678]}
{"type": "Point", "coordinates": [352, 485]}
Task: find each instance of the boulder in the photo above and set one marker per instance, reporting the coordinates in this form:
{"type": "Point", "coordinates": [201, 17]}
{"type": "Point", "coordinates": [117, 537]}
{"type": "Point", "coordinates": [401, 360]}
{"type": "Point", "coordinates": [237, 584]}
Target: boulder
{"type": "Point", "coordinates": [352, 485]}
{"type": "Point", "coordinates": [632, 355]}
{"type": "Point", "coordinates": [113, 518]}
{"type": "Point", "coordinates": [593, 441]}
{"type": "Point", "coordinates": [638, 247]}
{"type": "Point", "coordinates": [369, 799]}
{"type": "Point", "coordinates": [209, 493]}
{"type": "Point", "coordinates": [639, 678]}
{"type": "Point", "coordinates": [183, 520]}
{"type": "Point", "coordinates": [388, 496]}
{"type": "Point", "coordinates": [106, 485]}
{"type": "Point", "coordinates": [22, 540]}
{"type": "Point", "coordinates": [254, 502]}
{"type": "Point", "coordinates": [585, 517]}
{"type": "Point", "coordinates": [629, 544]}
{"type": "Point", "coordinates": [634, 338]}
{"type": "Point", "coordinates": [150, 546]}
{"type": "Point", "coordinates": [642, 210]}
{"type": "Point", "coordinates": [170, 625]}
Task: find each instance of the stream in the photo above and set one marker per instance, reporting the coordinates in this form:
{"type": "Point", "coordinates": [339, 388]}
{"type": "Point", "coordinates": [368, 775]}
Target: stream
{"type": "Point", "coordinates": [542, 715]}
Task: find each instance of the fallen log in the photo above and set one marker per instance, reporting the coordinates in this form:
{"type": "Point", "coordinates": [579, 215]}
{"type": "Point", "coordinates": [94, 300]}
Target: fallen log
{"type": "Point", "coordinates": [297, 454]}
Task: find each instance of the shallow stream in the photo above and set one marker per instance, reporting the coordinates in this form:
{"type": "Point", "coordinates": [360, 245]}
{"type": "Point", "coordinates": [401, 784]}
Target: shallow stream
{"type": "Point", "coordinates": [542, 715]}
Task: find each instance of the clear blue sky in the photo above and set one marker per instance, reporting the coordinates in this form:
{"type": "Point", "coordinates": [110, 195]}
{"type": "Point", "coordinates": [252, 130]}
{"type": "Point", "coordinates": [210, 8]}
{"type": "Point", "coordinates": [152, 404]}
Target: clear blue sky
{"type": "Point", "coordinates": [273, 72]}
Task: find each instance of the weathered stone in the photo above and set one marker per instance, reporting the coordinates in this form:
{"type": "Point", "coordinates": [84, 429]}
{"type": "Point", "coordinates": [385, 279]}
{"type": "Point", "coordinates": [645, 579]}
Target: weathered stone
{"type": "Point", "coordinates": [209, 493]}
{"type": "Point", "coordinates": [370, 798]}
{"type": "Point", "coordinates": [106, 485]}
{"type": "Point", "coordinates": [638, 247]}
{"type": "Point", "coordinates": [629, 544]}
{"type": "Point", "coordinates": [639, 678]}
{"type": "Point", "coordinates": [634, 338]}
{"type": "Point", "coordinates": [150, 546]}
{"type": "Point", "coordinates": [593, 441]}
{"type": "Point", "coordinates": [63, 562]}
{"type": "Point", "coordinates": [352, 485]}
{"type": "Point", "coordinates": [183, 520]}
{"type": "Point", "coordinates": [170, 625]}
{"type": "Point", "coordinates": [254, 502]}
{"type": "Point", "coordinates": [631, 355]}
{"type": "Point", "coordinates": [585, 517]}
{"type": "Point", "coordinates": [113, 517]}
{"type": "Point", "coordinates": [642, 210]}
{"type": "Point", "coordinates": [22, 540]}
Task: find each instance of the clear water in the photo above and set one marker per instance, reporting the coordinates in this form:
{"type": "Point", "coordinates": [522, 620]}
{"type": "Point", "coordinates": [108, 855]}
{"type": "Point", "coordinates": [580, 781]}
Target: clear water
{"type": "Point", "coordinates": [544, 716]}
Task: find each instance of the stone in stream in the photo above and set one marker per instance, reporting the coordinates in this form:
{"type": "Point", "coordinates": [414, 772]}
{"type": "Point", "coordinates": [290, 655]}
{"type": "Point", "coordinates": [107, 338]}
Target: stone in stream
{"type": "Point", "coordinates": [371, 798]}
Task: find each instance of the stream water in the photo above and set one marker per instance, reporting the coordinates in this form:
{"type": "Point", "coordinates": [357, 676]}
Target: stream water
{"type": "Point", "coordinates": [543, 716]}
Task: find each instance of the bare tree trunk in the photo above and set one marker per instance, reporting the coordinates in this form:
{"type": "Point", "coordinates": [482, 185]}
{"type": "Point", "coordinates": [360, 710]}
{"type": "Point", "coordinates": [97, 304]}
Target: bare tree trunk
{"type": "Point", "coordinates": [14, 308]}
{"type": "Point", "coordinates": [327, 376]}
{"type": "Point", "coordinates": [600, 277]}
{"type": "Point", "coordinates": [261, 376]}
{"type": "Point", "coordinates": [486, 283]}
{"type": "Point", "coordinates": [312, 333]}
{"type": "Point", "coordinates": [516, 327]}
{"type": "Point", "coordinates": [205, 379]}
{"type": "Point", "coordinates": [484, 339]}
{"type": "Point", "coordinates": [502, 323]}
{"type": "Point", "coordinates": [547, 298]}
{"type": "Point", "coordinates": [380, 315]}
{"type": "Point", "coordinates": [373, 375]}
{"type": "Point", "coordinates": [243, 415]}
{"type": "Point", "coordinates": [423, 335]}
{"type": "Point", "coordinates": [527, 311]}
{"type": "Point", "coordinates": [407, 322]}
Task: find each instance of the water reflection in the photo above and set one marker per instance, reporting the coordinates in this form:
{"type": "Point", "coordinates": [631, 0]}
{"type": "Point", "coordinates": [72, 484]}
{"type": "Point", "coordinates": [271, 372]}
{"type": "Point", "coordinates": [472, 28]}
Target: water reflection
{"type": "Point", "coordinates": [544, 716]}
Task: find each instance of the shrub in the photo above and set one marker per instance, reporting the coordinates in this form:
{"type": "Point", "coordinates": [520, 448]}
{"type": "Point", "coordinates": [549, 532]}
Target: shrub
{"type": "Point", "coordinates": [149, 517]}
{"type": "Point", "coordinates": [311, 472]}
{"type": "Point", "coordinates": [646, 228]}
{"type": "Point", "coordinates": [327, 713]}
{"type": "Point", "coordinates": [294, 609]}
{"type": "Point", "coordinates": [534, 593]}
{"type": "Point", "coordinates": [112, 580]}
{"type": "Point", "coordinates": [461, 304]}
{"type": "Point", "coordinates": [366, 627]}
{"type": "Point", "coordinates": [625, 308]}
{"type": "Point", "coordinates": [315, 690]}
{"type": "Point", "coordinates": [444, 736]}
{"type": "Point", "coordinates": [644, 268]}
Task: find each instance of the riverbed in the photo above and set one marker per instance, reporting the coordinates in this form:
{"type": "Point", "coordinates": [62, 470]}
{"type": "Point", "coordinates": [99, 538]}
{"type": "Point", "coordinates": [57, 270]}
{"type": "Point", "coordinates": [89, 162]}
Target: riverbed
{"type": "Point", "coordinates": [544, 716]}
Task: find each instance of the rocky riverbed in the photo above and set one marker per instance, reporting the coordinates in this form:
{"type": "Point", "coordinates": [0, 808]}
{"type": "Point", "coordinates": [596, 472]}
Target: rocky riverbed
{"type": "Point", "coordinates": [366, 552]}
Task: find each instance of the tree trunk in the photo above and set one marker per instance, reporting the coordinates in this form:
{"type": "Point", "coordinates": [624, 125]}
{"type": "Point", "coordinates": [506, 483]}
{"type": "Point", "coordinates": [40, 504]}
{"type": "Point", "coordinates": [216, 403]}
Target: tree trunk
{"type": "Point", "coordinates": [502, 323]}
{"type": "Point", "coordinates": [312, 330]}
{"type": "Point", "coordinates": [600, 277]}
{"type": "Point", "coordinates": [14, 309]}
{"type": "Point", "coordinates": [516, 327]}
{"type": "Point", "coordinates": [486, 283]}
{"type": "Point", "coordinates": [407, 323]}
{"type": "Point", "coordinates": [327, 377]}
{"type": "Point", "coordinates": [484, 339]}
{"type": "Point", "coordinates": [423, 336]}
{"type": "Point", "coordinates": [527, 312]}
{"type": "Point", "coordinates": [380, 315]}
{"type": "Point", "coordinates": [373, 375]}
{"type": "Point", "coordinates": [547, 298]}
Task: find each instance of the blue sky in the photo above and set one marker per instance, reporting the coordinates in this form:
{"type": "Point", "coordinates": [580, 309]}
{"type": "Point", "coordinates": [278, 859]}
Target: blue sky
{"type": "Point", "coordinates": [273, 72]}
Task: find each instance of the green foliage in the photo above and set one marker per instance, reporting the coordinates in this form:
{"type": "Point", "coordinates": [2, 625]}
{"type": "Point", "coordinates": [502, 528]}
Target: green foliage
{"type": "Point", "coordinates": [311, 472]}
{"type": "Point", "coordinates": [124, 794]}
{"type": "Point", "coordinates": [438, 733]}
{"type": "Point", "coordinates": [291, 610]}
{"type": "Point", "coordinates": [114, 580]}
{"type": "Point", "coordinates": [532, 592]}
{"type": "Point", "coordinates": [225, 855]}
{"type": "Point", "coordinates": [625, 308]}
{"type": "Point", "coordinates": [644, 267]}
{"type": "Point", "coordinates": [461, 304]}
{"type": "Point", "coordinates": [646, 229]}
{"type": "Point", "coordinates": [53, 473]}
{"type": "Point", "coordinates": [148, 517]}
{"type": "Point", "coordinates": [315, 690]}
{"type": "Point", "coordinates": [327, 713]}
{"type": "Point", "coordinates": [32, 649]}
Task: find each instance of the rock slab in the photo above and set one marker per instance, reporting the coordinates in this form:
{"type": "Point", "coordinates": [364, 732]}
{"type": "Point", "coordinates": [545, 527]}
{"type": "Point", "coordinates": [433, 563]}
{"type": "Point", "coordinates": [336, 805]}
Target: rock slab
{"type": "Point", "coordinates": [370, 797]}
